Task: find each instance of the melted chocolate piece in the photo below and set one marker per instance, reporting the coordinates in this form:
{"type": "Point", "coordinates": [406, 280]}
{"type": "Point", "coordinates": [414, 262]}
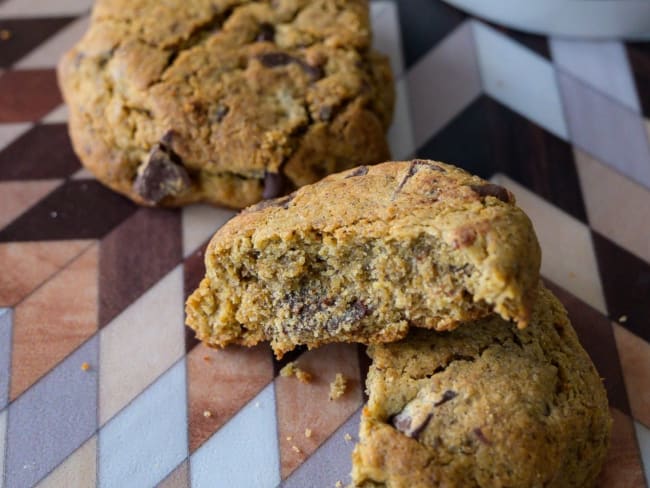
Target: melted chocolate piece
{"type": "Point", "coordinates": [481, 436]}
{"type": "Point", "coordinates": [446, 396]}
{"type": "Point", "coordinates": [325, 113]}
{"type": "Point", "coordinates": [220, 112]}
{"type": "Point", "coordinates": [492, 190]}
{"type": "Point", "coordinates": [271, 60]}
{"type": "Point", "coordinates": [360, 171]}
{"type": "Point", "coordinates": [403, 423]}
{"type": "Point", "coordinates": [266, 33]}
{"type": "Point", "coordinates": [275, 184]}
{"type": "Point", "coordinates": [282, 202]}
{"type": "Point", "coordinates": [161, 175]}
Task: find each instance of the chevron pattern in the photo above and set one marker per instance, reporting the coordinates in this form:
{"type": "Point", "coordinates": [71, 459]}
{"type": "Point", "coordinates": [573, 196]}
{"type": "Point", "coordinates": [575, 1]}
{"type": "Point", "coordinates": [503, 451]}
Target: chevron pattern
{"type": "Point", "coordinates": [101, 384]}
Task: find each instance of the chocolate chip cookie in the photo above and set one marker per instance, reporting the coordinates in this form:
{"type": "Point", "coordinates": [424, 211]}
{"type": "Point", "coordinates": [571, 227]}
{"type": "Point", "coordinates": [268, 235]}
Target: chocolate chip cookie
{"type": "Point", "coordinates": [486, 405]}
{"type": "Point", "coordinates": [225, 101]}
{"type": "Point", "coordinates": [363, 256]}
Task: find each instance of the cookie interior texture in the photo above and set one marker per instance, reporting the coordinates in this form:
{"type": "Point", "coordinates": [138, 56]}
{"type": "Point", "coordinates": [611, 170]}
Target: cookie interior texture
{"type": "Point", "coordinates": [233, 99]}
{"type": "Point", "coordinates": [363, 255]}
{"type": "Point", "coordinates": [486, 405]}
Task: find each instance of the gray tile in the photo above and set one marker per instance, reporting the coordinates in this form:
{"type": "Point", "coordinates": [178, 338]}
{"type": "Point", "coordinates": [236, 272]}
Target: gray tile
{"type": "Point", "coordinates": [331, 462]}
{"type": "Point", "coordinates": [601, 64]}
{"type": "Point", "coordinates": [604, 128]}
{"type": "Point", "coordinates": [5, 354]}
{"type": "Point", "coordinates": [53, 418]}
{"type": "Point", "coordinates": [443, 83]}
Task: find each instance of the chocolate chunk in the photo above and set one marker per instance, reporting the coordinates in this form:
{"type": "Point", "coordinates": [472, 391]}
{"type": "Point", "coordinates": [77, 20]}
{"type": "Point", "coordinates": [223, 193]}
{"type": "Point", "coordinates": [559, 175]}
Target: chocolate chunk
{"type": "Point", "coordinates": [168, 137]}
{"type": "Point", "coordinates": [446, 396]}
{"type": "Point", "coordinates": [220, 112]}
{"type": "Point", "coordinates": [360, 171]}
{"type": "Point", "coordinates": [492, 190]}
{"type": "Point", "coordinates": [429, 164]}
{"type": "Point", "coordinates": [314, 72]}
{"type": "Point", "coordinates": [275, 184]}
{"type": "Point", "coordinates": [481, 436]}
{"type": "Point", "coordinates": [266, 33]}
{"type": "Point", "coordinates": [161, 175]}
{"type": "Point", "coordinates": [325, 113]}
{"type": "Point", "coordinates": [271, 60]}
{"type": "Point", "coordinates": [402, 422]}
{"type": "Point", "coordinates": [274, 202]}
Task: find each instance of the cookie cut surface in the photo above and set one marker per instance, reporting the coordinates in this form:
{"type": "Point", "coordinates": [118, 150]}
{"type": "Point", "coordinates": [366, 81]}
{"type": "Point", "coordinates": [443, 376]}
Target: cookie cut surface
{"type": "Point", "coordinates": [225, 101]}
{"type": "Point", "coordinates": [364, 255]}
{"type": "Point", "coordinates": [485, 405]}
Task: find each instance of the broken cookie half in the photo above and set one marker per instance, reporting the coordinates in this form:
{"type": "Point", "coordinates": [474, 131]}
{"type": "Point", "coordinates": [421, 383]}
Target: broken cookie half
{"type": "Point", "coordinates": [364, 255]}
{"type": "Point", "coordinates": [485, 405]}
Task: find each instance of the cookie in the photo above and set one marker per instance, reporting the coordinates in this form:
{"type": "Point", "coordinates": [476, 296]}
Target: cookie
{"type": "Point", "coordinates": [486, 405]}
{"type": "Point", "coordinates": [363, 255]}
{"type": "Point", "coordinates": [225, 101]}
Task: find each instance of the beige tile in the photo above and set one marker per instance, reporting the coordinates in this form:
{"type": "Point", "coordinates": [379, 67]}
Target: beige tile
{"type": "Point", "coordinates": [623, 220]}
{"type": "Point", "coordinates": [303, 406]}
{"type": "Point", "coordinates": [623, 463]}
{"type": "Point", "coordinates": [179, 478]}
{"type": "Point", "coordinates": [47, 54]}
{"type": "Point", "coordinates": [26, 265]}
{"type": "Point", "coordinates": [200, 222]}
{"type": "Point", "coordinates": [220, 382]}
{"type": "Point", "coordinates": [634, 354]}
{"type": "Point", "coordinates": [568, 257]}
{"type": "Point", "coordinates": [18, 196]}
{"type": "Point", "coordinates": [53, 321]}
{"type": "Point", "coordinates": [140, 344]}
{"type": "Point", "coordinates": [77, 471]}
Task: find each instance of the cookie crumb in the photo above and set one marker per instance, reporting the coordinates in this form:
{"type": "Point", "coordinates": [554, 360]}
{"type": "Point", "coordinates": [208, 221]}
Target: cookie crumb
{"type": "Point", "coordinates": [338, 484]}
{"type": "Point", "coordinates": [207, 414]}
{"type": "Point", "coordinates": [347, 437]}
{"type": "Point", "coordinates": [289, 437]}
{"type": "Point", "coordinates": [622, 319]}
{"type": "Point", "coordinates": [308, 433]}
{"type": "Point", "coordinates": [296, 449]}
{"type": "Point", "coordinates": [338, 386]}
{"type": "Point", "coordinates": [5, 34]}
{"type": "Point", "coordinates": [54, 214]}
{"type": "Point", "coordinates": [206, 358]}
{"type": "Point", "coordinates": [291, 369]}
{"type": "Point", "coordinates": [85, 366]}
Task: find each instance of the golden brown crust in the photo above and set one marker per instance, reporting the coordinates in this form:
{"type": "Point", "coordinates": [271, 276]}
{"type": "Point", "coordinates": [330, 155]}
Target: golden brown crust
{"type": "Point", "coordinates": [365, 254]}
{"type": "Point", "coordinates": [233, 89]}
{"type": "Point", "coordinates": [486, 405]}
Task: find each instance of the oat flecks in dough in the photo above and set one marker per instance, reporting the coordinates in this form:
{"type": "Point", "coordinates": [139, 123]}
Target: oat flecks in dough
{"type": "Point", "coordinates": [364, 255]}
{"type": "Point", "coordinates": [484, 405]}
{"type": "Point", "coordinates": [235, 90]}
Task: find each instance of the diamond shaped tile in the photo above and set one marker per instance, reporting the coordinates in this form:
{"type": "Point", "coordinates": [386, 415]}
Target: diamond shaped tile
{"type": "Point", "coordinates": [27, 94]}
{"type": "Point", "coordinates": [148, 439]}
{"type": "Point", "coordinates": [53, 321]}
{"type": "Point", "coordinates": [251, 434]}
{"type": "Point", "coordinates": [41, 434]}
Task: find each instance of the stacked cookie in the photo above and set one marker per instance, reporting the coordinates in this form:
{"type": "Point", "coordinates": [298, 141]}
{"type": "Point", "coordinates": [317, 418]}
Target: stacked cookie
{"type": "Point", "coordinates": [477, 378]}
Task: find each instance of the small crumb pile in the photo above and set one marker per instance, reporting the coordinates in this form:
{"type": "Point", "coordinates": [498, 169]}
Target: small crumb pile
{"type": "Point", "coordinates": [85, 366]}
{"type": "Point", "coordinates": [347, 437]}
{"type": "Point", "coordinates": [338, 484]}
{"type": "Point", "coordinates": [338, 386]}
{"type": "Point", "coordinates": [291, 369]}
{"type": "Point", "coordinates": [308, 433]}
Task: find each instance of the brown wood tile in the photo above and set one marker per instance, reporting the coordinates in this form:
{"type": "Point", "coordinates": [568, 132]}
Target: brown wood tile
{"type": "Point", "coordinates": [28, 95]}
{"type": "Point", "coordinates": [54, 321]}
{"type": "Point", "coordinates": [134, 256]}
{"type": "Point", "coordinates": [221, 381]}
{"type": "Point", "coordinates": [634, 354]}
{"type": "Point", "coordinates": [303, 406]}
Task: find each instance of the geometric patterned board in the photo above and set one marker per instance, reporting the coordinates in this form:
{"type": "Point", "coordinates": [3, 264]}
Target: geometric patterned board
{"type": "Point", "coordinates": [88, 277]}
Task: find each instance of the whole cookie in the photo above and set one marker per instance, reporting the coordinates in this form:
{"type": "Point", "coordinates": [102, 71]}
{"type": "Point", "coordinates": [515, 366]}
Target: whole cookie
{"type": "Point", "coordinates": [363, 255]}
{"type": "Point", "coordinates": [225, 101]}
{"type": "Point", "coordinates": [486, 405]}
